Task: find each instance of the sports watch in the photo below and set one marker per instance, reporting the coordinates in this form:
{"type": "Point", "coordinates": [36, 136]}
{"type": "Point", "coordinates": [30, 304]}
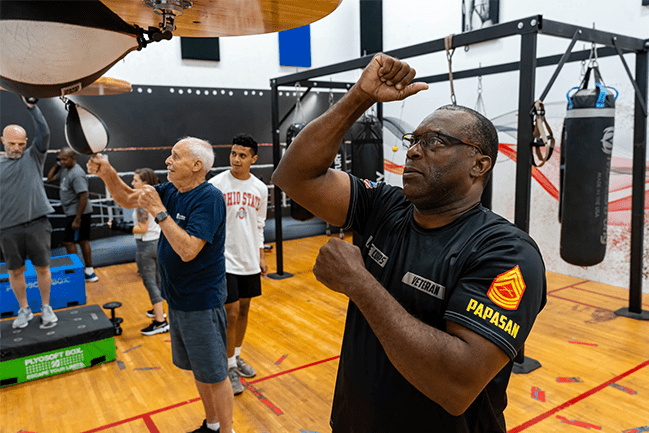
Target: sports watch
{"type": "Point", "coordinates": [162, 215]}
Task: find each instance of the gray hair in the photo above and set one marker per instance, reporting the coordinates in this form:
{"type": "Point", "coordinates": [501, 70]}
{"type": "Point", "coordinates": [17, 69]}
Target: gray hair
{"type": "Point", "coordinates": [201, 149]}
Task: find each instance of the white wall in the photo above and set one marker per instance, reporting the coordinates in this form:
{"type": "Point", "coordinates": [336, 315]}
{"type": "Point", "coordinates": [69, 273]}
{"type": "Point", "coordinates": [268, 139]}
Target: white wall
{"type": "Point", "coordinates": [250, 62]}
{"type": "Point", "coordinates": [246, 61]}
{"type": "Point", "coordinates": [500, 95]}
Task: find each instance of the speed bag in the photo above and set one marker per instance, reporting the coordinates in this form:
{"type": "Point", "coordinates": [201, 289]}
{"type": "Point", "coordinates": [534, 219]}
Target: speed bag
{"type": "Point", "coordinates": [84, 132]}
{"type": "Point", "coordinates": [297, 211]}
{"type": "Point", "coordinates": [586, 149]}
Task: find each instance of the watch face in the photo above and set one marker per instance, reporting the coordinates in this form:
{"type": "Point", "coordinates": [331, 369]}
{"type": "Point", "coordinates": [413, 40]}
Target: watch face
{"type": "Point", "coordinates": [161, 216]}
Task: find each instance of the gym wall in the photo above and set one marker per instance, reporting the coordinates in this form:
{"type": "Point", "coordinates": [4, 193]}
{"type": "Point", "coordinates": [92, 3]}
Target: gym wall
{"type": "Point", "coordinates": [144, 124]}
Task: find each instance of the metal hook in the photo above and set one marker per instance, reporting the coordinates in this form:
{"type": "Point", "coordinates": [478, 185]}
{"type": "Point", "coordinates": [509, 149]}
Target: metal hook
{"type": "Point", "coordinates": [479, 103]}
{"type": "Point", "coordinates": [298, 102]}
{"type": "Point", "coordinates": [592, 58]}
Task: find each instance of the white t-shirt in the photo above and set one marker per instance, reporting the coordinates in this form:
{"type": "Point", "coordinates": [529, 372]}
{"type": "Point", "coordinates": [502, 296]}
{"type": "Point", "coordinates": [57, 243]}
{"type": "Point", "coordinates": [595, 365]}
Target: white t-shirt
{"type": "Point", "coordinates": [246, 203]}
{"type": "Point", "coordinates": [153, 232]}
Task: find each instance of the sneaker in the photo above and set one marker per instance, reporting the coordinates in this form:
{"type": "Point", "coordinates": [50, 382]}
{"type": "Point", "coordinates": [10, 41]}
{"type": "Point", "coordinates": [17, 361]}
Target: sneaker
{"type": "Point", "coordinates": [244, 369]}
{"type": "Point", "coordinates": [156, 328]}
{"type": "Point", "coordinates": [47, 315]}
{"type": "Point", "coordinates": [151, 314]}
{"type": "Point", "coordinates": [237, 386]}
{"type": "Point", "coordinates": [91, 278]}
{"type": "Point", "coordinates": [203, 429]}
{"type": "Point", "coordinates": [24, 316]}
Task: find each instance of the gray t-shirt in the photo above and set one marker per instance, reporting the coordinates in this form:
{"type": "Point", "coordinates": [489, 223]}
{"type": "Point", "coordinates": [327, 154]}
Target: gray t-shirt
{"type": "Point", "coordinates": [22, 194]}
{"type": "Point", "coordinates": [73, 183]}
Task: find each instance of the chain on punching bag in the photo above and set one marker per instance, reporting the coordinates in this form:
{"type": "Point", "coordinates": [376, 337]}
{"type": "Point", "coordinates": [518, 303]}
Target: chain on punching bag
{"type": "Point", "coordinates": [297, 211]}
{"type": "Point", "coordinates": [586, 148]}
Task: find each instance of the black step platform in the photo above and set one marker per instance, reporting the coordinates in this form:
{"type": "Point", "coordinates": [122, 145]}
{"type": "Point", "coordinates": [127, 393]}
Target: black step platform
{"type": "Point", "coordinates": [82, 337]}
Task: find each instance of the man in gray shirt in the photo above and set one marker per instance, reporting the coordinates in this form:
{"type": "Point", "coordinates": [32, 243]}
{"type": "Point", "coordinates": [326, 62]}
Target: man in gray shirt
{"type": "Point", "coordinates": [76, 206]}
{"type": "Point", "coordinates": [25, 230]}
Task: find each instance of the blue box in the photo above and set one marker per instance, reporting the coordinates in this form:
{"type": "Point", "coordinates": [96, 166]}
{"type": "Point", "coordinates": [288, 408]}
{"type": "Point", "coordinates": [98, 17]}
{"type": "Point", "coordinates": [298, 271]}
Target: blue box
{"type": "Point", "coordinates": [68, 286]}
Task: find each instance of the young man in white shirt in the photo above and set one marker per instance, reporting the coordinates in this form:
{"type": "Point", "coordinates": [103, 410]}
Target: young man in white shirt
{"type": "Point", "coordinates": [246, 199]}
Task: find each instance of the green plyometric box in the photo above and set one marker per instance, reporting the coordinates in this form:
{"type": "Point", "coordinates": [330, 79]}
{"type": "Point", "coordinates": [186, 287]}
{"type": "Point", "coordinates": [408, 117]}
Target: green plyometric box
{"type": "Point", "coordinates": [57, 361]}
{"type": "Point", "coordinates": [82, 337]}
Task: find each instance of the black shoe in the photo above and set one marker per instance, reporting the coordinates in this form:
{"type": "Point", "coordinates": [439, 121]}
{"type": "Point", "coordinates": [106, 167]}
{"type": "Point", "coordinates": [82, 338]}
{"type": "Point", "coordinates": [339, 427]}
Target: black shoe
{"type": "Point", "coordinates": [156, 328]}
{"type": "Point", "coordinates": [203, 429]}
{"type": "Point", "coordinates": [151, 314]}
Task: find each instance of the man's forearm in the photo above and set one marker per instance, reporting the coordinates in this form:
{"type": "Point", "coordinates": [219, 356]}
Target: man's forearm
{"type": "Point", "coordinates": [51, 175]}
{"type": "Point", "coordinates": [42, 139]}
{"type": "Point", "coordinates": [441, 365]}
{"type": "Point", "coordinates": [123, 195]}
{"type": "Point", "coordinates": [449, 366]}
{"type": "Point", "coordinates": [83, 202]}
{"type": "Point", "coordinates": [184, 244]}
{"type": "Point", "coordinates": [314, 149]}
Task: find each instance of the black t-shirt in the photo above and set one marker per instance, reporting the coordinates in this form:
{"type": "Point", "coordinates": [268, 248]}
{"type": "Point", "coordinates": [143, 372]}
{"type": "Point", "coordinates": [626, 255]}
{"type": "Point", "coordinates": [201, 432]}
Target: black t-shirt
{"type": "Point", "coordinates": [479, 271]}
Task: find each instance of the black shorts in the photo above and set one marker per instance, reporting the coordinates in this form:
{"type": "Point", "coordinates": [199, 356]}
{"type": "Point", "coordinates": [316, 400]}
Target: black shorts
{"type": "Point", "coordinates": [29, 240]}
{"type": "Point", "coordinates": [81, 234]}
{"type": "Point", "coordinates": [242, 286]}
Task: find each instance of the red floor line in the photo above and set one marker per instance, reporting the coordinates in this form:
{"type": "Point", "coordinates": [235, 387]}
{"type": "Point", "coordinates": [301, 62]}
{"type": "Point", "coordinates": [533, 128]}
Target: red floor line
{"type": "Point", "coordinates": [263, 399]}
{"type": "Point", "coordinates": [603, 294]}
{"type": "Point", "coordinates": [173, 406]}
{"type": "Point", "coordinates": [580, 303]}
{"type": "Point", "coordinates": [281, 373]}
{"type": "Point", "coordinates": [577, 399]}
{"type": "Point", "coordinates": [570, 286]}
{"type": "Point", "coordinates": [150, 424]}
{"type": "Point", "coordinates": [147, 415]}
{"type": "Point", "coordinates": [142, 416]}
{"type": "Point", "coordinates": [574, 286]}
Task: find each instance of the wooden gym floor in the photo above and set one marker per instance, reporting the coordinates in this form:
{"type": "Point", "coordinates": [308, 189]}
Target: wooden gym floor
{"type": "Point", "coordinates": [594, 374]}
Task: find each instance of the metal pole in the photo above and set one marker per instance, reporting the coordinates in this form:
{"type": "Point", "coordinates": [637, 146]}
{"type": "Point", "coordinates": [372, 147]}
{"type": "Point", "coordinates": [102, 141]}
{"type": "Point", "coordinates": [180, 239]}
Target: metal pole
{"type": "Point", "coordinates": [279, 250]}
{"type": "Point", "coordinates": [638, 192]}
{"type": "Point", "coordinates": [527, 78]}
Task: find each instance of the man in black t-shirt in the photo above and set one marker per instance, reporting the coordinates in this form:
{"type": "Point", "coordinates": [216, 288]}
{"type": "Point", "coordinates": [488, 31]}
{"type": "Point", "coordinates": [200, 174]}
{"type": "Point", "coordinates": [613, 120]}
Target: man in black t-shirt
{"type": "Point", "coordinates": [443, 292]}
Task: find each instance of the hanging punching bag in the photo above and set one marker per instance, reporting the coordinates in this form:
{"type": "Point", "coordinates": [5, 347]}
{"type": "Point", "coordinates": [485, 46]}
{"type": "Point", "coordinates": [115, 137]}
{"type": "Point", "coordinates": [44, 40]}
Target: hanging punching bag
{"type": "Point", "coordinates": [366, 136]}
{"type": "Point", "coordinates": [586, 150]}
{"type": "Point", "coordinates": [297, 211]}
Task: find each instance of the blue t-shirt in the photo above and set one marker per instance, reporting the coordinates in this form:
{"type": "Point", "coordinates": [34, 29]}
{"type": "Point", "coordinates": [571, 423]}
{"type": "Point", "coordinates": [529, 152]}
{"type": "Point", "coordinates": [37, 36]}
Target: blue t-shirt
{"type": "Point", "coordinates": [200, 283]}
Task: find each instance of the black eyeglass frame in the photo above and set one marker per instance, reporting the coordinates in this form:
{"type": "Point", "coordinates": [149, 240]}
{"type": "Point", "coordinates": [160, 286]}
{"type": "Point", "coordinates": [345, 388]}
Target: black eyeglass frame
{"type": "Point", "coordinates": [413, 139]}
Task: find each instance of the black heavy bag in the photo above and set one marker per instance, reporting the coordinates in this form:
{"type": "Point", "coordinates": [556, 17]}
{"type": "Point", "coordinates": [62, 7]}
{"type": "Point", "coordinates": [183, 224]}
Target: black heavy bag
{"type": "Point", "coordinates": [586, 150]}
{"type": "Point", "coordinates": [297, 211]}
{"type": "Point", "coordinates": [366, 136]}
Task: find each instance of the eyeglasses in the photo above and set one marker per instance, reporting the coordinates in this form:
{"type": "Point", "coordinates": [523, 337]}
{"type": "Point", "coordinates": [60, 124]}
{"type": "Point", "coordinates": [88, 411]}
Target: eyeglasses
{"type": "Point", "coordinates": [432, 140]}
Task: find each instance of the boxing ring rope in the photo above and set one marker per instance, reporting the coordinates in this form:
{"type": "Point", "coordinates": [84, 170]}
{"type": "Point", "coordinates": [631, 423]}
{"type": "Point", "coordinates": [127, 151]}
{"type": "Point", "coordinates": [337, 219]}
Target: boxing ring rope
{"type": "Point", "coordinates": [108, 209]}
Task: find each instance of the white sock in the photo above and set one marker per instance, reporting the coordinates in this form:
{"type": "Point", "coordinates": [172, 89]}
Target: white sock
{"type": "Point", "coordinates": [214, 426]}
{"type": "Point", "coordinates": [237, 351]}
{"type": "Point", "coordinates": [232, 362]}
{"type": "Point", "coordinates": [89, 270]}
